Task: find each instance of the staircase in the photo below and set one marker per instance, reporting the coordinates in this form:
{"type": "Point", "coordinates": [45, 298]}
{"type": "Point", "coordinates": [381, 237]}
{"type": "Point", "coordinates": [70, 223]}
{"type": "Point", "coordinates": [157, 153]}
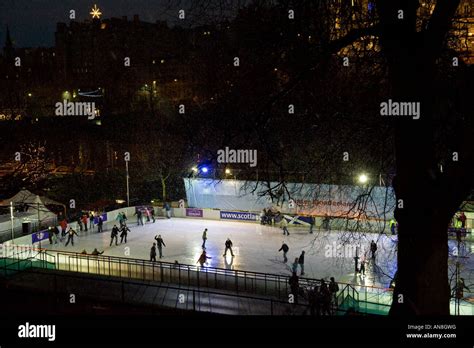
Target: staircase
{"type": "Point", "coordinates": [348, 302]}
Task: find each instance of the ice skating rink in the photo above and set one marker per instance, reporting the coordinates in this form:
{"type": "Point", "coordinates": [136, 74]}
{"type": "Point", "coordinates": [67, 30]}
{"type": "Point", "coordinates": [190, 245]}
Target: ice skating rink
{"type": "Point", "coordinates": [255, 248]}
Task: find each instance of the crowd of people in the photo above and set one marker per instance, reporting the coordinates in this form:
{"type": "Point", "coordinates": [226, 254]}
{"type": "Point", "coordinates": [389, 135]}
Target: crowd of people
{"type": "Point", "coordinates": [322, 298]}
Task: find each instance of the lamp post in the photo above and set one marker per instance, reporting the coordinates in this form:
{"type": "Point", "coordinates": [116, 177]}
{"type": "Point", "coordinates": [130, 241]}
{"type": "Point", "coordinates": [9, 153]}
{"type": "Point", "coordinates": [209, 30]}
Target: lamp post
{"type": "Point", "coordinates": [39, 226]}
{"type": "Point", "coordinates": [128, 189]}
{"type": "Point", "coordinates": [11, 217]}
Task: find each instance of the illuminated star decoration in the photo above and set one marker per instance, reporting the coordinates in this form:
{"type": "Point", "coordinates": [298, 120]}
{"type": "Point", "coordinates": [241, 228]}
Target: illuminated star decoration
{"type": "Point", "coordinates": [95, 12]}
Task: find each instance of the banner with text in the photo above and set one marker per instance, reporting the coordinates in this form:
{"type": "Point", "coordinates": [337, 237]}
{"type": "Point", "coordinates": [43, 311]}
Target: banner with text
{"type": "Point", "coordinates": [231, 215]}
{"type": "Point", "coordinates": [353, 201]}
{"type": "Point", "coordinates": [194, 212]}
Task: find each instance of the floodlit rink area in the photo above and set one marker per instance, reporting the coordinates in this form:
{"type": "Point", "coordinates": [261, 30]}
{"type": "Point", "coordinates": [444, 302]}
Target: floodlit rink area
{"type": "Point", "coordinates": [255, 248]}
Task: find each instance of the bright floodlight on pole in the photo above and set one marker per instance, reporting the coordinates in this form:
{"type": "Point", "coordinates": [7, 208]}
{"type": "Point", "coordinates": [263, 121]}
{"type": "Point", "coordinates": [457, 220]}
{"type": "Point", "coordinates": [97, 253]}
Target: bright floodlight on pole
{"type": "Point", "coordinates": [363, 178]}
{"type": "Point", "coordinates": [227, 171]}
{"type": "Point", "coordinates": [204, 170]}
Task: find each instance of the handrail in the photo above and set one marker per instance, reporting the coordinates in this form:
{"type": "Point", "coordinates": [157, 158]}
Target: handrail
{"type": "Point", "coordinates": [267, 277]}
{"type": "Point", "coordinates": [270, 301]}
{"type": "Point", "coordinates": [211, 269]}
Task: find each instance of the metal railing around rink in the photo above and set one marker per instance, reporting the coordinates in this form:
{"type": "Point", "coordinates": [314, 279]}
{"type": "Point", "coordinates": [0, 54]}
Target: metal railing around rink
{"type": "Point", "coordinates": [180, 274]}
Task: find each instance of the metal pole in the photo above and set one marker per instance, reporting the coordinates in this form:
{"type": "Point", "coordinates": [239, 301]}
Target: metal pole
{"type": "Point", "coordinates": [11, 216]}
{"type": "Point", "coordinates": [38, 228]}
{"type": "Point", "coordinates": [128, 190]}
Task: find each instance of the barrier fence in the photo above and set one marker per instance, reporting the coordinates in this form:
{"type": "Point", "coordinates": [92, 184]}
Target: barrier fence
{"type": "Point", "coordinates": [244, 283]}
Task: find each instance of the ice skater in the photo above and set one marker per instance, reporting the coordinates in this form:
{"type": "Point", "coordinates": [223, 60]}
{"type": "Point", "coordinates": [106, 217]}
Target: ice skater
{"type": "Point", "coordinates": [228, 245]}
{"type": "Point", "coordinates": [301, 262]}
{"type": "Point", "coordinates": [167, 210]}
{"type": "Point", "coordinates": [124, 233]}
{"type": "Point", "coordinates": [153, 253]}
{"type": "Point", "coordinates": [70, 237]}
{"type": "Point", "coordinates": [55, 234]}
{"type": "Point", "coordinates": [362, 266]}
{"type": "Point", "coordinates": [139, 215]}
{"type": "Point", "coordinates": [161, 244]}
{"type": "Point", "coordinates": [295, 266]}
{"type": "Point", "coordinates": [63, 225]}
{"type": "Point", "coordinates": [50, 234]}
{"type": "Point", "coordinates": [120, 218]}
{"type": "Point", "coordinates": [85, 221]}
{"type": "Point", "coordinates": [311, 224]}
{"type": "Point", "coordinates": [285, 249]}
{"type": "Point", "coordinates": [203, 258]}
{"type": "Point", "coordinates": [373, 248]}
{"type": "Point", "coordinates": [204, 238]}
{"type": "Point", "coordinates": [100, 224]}
{"type": "Point", "coordinates": [147, 214]}
{"type": "Point", "coordinates": [91, 220]}
{"type": "Point", "coordinates": [114, 235]}
{"type": "Point", "coordinates": [284, 225]}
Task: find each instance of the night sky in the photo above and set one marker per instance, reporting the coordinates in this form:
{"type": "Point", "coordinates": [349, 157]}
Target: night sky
{"type": "Point", "coordinates": [32, 23]}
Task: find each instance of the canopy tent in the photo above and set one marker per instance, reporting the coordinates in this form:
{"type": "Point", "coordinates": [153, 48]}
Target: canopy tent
{"type": "Point", "coordinates": [33, 203]}
{"type": "Point", "coordinates": [27, 197]}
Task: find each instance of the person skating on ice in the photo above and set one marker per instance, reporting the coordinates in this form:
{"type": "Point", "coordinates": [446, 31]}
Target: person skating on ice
{"type": "Point", "coordinates": [204, 238]}
{"type": "Point", "coordinates": [301, 262]}
{"type": "Point", "coordinates": [70, 236]}
{"type": "Point", "coordinates": [114, 235]}
{"type": "Point", "coordinates": [153, 252]}
{"type": "Point", "coordinates": [373, 248]}
{"type": "Point", "coordinates": [124, 233]}
{"type": "Point", "coordinates": [160, 243]}
{"type": "Point", "coordinates": [228, 246]}
{"type": "Point", "coordinates": [295, 265]}
{"type": "Point", "coordinates": [285, 249]}
{"type": "Point", "coordinates": [203, 258]}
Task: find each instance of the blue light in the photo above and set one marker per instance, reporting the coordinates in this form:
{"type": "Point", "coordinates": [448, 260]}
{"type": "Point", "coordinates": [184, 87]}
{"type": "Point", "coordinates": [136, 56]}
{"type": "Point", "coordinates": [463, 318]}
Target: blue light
{"type": "Point", "coordinates": [204, 169]}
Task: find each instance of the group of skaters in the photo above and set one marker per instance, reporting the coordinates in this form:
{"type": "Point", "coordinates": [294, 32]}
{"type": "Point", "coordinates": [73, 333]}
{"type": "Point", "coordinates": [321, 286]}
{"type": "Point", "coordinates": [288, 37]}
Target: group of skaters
{"type": "Point", "coordinates": [149, 214]}
{"type": "Point", "coordinates": [123, 231]}
{"type": "Point", "coordinates": [271, 218]}
{"type": "Point", "coordinates": [87, 219]}
{"type": "Point", "coordinates": [55, 236]}
{"type": "Point", "coordinates": [159, 244]}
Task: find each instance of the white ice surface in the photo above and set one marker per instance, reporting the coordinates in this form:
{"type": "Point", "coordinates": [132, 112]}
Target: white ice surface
{"type": "Point", "coordinates": [255, 248]}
